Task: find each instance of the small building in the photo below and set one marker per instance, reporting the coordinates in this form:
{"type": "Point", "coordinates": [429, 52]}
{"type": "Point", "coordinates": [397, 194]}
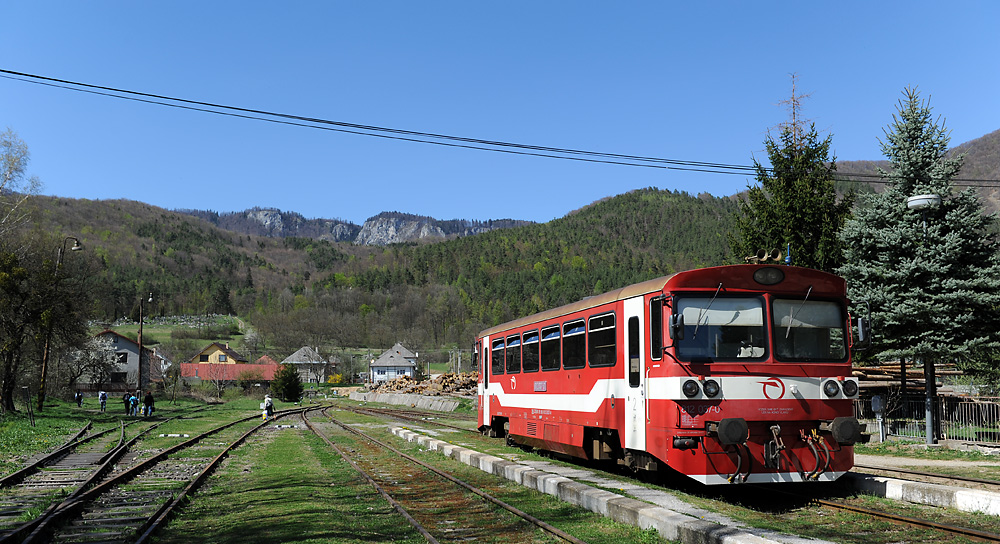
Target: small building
{"type": "Point", "coordinates": [217, 353]}
{"type": "Point", "coordinates": [311, 366]}
{"type": "Point", "coordinates": [125, 376]}
{"type": "Point", "coordinates": [266, 360]}
{"type": "Point", "coordinates": [220, 364]}
{"type": "Point", "coordinates": [393, 363]}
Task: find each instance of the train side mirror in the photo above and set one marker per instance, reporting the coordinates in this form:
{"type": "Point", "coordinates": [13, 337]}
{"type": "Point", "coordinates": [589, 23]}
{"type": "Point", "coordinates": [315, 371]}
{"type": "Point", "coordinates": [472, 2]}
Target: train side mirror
{"type": "Point", "coordinates": [864, 339]}
{"type": "Point", "coordinates": [676, 327]}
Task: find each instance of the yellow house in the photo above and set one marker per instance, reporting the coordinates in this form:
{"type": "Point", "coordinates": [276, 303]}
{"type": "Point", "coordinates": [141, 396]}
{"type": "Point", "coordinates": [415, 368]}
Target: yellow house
{"type": "Point", "coordinates": [218, 353]}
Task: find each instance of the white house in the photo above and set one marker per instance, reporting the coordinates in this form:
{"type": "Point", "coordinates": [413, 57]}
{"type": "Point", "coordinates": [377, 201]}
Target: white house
{"type": "Point", "coordinates": [397, 361]}
{"type": "Point", "coordinates": [126, 374]}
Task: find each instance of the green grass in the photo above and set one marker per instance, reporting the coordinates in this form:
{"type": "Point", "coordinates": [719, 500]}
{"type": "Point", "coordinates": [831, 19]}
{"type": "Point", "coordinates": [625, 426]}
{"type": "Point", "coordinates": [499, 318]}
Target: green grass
{"type": "Point", "coordinates": [918, 450]}
{"type": "Point", "coordinates": [289, 488]}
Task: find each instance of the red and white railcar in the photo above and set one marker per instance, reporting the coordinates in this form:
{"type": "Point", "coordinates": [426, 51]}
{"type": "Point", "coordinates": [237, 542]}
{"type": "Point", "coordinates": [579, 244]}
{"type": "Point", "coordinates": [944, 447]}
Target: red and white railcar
{"type": "Point", "coordinates": [725, 374]}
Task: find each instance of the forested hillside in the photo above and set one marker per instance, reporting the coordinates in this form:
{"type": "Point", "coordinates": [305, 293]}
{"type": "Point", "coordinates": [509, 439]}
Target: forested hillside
{"type": "Point", "coordinates": [982, 162]}
{"type": "Point", "coordinates": [300, 291]}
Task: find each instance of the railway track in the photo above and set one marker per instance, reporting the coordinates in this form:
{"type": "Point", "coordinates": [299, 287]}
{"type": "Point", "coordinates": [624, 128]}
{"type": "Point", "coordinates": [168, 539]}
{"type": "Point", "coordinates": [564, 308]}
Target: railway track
{"type": "Point", "coordinates": [948, 479]}
{"type": "Point", "coordinates": [946, 528]}
{"type": "Point", "coordinates": [128, 497]}
{"type": "Point", "coordinates": [458, 511]}
{"type": "Point", "coordinates": [952, 530]}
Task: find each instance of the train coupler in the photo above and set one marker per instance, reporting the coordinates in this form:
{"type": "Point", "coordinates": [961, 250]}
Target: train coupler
{"type": "Point", "coordinates": [773, 448]}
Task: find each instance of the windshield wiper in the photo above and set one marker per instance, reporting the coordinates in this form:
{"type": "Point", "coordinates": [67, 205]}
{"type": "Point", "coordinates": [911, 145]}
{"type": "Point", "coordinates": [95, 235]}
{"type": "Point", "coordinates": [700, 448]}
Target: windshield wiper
{"type": "Point", "coordinates": [792, 314]}
{"type": "Point", "coordinates": [704, 311]}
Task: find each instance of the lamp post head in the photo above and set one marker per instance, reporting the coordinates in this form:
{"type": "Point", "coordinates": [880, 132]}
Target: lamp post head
{"type": "Point", "coordinates": [77, 246]}
{"type": "Point", "coordinates": [923, 202]}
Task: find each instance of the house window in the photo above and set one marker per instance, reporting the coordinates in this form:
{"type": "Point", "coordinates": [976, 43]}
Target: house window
{"type": "Point", "coordinates": [222, 358]}
{"type": "Point", "coordinates": [203, 358]}
{"type": "Point", "coordinates": [380, 371]}
{"type": "Point", "coordinates": [118, 377]}
{"type": "Point", "coordinates": [122, 357]}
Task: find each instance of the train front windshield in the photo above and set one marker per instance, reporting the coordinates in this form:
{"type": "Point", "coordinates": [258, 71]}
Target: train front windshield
{"type": "Point", "coordinates": [806, 330]}
{"type": "Point", "coordinates": [733, 329]}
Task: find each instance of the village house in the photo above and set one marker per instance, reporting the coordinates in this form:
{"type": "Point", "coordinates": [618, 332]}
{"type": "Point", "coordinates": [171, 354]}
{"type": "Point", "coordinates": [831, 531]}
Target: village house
{"type": "Point", "coordinates": [125, 376]}
{"type": "Point", "coordinates": [310, 365]}
{"type": "Point", "coordinates": [393, 363]}
{"type": "Point", "coordinates": [219, 363]}
{"type": "Point", "coordinates": [218, 353]}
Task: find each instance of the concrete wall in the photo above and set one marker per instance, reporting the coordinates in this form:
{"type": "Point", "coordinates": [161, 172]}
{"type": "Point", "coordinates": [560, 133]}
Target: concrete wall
{"type": "Point", "coordinates": [416, 401]}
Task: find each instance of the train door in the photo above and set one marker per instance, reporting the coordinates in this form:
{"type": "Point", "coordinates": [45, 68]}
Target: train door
{"type": "Point", "coordinates": [484, 413]}
{"type": "Point", "coordinates": [635, 375]}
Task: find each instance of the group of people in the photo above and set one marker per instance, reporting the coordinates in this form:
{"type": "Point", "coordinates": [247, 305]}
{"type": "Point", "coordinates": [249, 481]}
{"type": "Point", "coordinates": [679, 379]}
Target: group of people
{"type": "Point", "coordinates": [130, 400]}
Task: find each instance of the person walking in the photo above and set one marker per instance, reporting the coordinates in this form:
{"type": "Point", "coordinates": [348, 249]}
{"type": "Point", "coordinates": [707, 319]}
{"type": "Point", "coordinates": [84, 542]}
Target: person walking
{"type": "Point", "coordinates": [78, 397]}
{"type": "Point", "coordinates": [125, 401]}
{"type": "Point", "coordinates": [268, 407]}
{"type": "Point", "coordinates": [103, 397]}
{"type": "Point", "coordinates": [133, 405]}
{"type": "Point", "coordinates": [147, 404]}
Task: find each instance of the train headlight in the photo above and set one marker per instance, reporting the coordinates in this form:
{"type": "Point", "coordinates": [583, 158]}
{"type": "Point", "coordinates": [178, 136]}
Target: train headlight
{"type": "Point", "coordinates": [690, 388]}
{"type": "Point", "coordinates": [768, 276]}
{"type": "Point", "coordinates": [850, 387]}
{"type": "Point", "coordinates": [831, 388]}
{"type": "Point", "coordinates": [711, 388]}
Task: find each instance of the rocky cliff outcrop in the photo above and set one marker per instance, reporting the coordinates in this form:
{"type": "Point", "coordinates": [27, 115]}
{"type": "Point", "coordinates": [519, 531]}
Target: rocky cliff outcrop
{"type": "Point", "coordinates": [383, 229]}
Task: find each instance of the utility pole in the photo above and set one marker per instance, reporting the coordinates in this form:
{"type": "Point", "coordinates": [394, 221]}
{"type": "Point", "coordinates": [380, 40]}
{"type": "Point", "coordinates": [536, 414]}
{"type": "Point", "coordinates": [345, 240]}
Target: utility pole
{"type": "Point", "coordinates": [77, 246]}
{"type": "Point", "coordinates": [142, 366]}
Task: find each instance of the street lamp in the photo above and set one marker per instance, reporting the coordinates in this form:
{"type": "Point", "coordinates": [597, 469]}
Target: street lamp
{"type": "Point", "coordinates": [61, 250]}
{"type": "Point", "coordinates": [922, 203]}
{"type": "Point", "coordinates": [141, 366]}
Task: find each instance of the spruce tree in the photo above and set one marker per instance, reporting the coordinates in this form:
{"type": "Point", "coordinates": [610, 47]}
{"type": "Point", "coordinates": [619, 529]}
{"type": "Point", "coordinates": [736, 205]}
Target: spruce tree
{"type": "Point", "coordinates": [287, 385]}
{"type": "Point", "coordinates": [932, 277]}
{"type": "Point", "coordinates": [795, 204]}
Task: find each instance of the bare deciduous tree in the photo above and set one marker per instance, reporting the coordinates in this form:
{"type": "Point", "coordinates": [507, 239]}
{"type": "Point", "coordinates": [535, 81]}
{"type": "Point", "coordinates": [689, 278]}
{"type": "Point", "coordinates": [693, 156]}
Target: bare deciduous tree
{"type": "Point", "coordinates": [15, 185]}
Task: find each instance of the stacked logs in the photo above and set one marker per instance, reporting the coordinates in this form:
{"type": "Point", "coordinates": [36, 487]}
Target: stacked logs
{"type": "Point", "coordinates": [463, 384]}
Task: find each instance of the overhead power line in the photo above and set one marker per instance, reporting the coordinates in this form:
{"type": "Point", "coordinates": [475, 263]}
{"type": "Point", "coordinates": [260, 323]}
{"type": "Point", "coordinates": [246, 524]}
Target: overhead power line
{"type": "Point", "coordinates": [421, 137]}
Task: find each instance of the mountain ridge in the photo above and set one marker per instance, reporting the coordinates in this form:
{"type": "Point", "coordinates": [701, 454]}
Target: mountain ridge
{"type": "Point", "coordinates": [383, 229]}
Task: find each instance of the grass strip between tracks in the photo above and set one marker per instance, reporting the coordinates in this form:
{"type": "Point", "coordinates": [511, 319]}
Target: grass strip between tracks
{"type": "Point", "coordinates": [290, 486]}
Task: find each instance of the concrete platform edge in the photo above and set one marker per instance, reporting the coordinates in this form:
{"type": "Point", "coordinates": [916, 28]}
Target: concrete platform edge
{"type": "Point", "coordinates": [669, 524]}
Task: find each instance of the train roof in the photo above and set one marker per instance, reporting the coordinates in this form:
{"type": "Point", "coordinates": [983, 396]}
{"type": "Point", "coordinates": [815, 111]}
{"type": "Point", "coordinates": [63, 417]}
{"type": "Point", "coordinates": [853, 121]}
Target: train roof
{"type": "Point", "coordinates": [629, 291]}
{"type": "Point", "coordinates": [702, 278]}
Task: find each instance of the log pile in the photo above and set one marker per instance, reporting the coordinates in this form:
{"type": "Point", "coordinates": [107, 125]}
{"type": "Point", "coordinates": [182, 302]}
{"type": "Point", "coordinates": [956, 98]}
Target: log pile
{"type": "Point", "coordinates": [888, 376]}
{"type": "Point", "coordinates": [446, 384]}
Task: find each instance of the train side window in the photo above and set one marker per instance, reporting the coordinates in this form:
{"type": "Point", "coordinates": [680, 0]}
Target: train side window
{"type": "Point", "coordinates": [601, 341]}
{"type": "Point", "coordinates": [634, 370]}
{"type": "Point", "coordinates": [497, 367]}
{"type": "Point", "coordinates": [529, 352]}
{"type": "Point", "coordinates": [475, 357]}
{"type": "Point", "coordinates": [551, 356]}
{"type": "Point", "coordinates": [656, 328]}
{"type": "Point", "coordinates": [513, 354]}
{"type": "Point", "coordinates": [574, 344]}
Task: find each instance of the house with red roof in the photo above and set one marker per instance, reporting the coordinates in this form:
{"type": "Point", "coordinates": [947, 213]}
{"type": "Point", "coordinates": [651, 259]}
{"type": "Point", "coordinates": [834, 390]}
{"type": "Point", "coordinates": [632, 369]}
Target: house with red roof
{"type": "Point", "coordinates": [220, 363]}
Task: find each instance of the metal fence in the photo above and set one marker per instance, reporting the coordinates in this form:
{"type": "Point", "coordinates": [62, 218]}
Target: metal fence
{"type": "Point", "coordinates": [971, 419]}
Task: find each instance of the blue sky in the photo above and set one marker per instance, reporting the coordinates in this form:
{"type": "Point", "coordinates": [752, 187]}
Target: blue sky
{"type": "Point", "coordinates": [698, 81]}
